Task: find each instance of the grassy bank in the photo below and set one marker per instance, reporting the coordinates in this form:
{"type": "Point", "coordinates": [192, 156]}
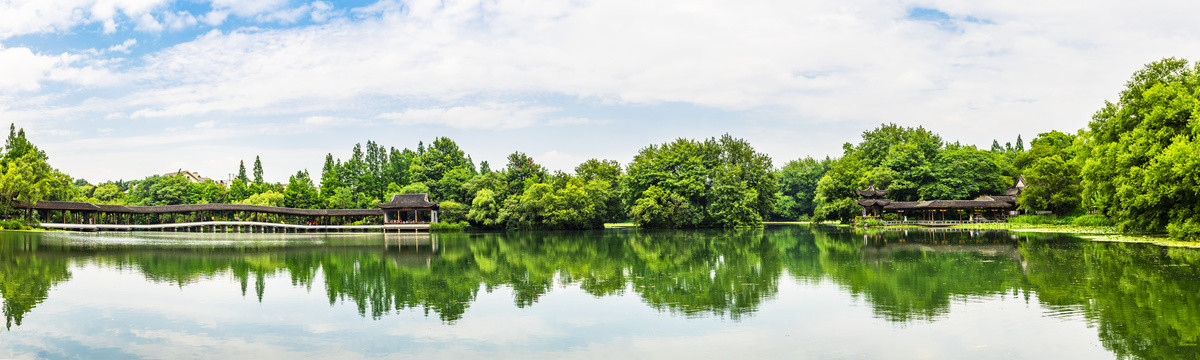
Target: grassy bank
{"type": "Point", "coordinates": [1091, 227]}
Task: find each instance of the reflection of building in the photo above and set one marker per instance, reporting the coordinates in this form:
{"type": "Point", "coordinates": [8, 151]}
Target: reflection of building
{"type": "Point", "coordinates": [990, 207]}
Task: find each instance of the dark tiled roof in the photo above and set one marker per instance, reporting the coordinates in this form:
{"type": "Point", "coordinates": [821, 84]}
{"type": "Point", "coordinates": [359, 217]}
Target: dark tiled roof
{"type": "Point", "coordinates": [167, 209]}
{"type": "Point", "coordinates": [871, 192]}
{"type": "Point", "coordinates": [873, 202]}
{"type": "Point", "coordinates": [408, 201]}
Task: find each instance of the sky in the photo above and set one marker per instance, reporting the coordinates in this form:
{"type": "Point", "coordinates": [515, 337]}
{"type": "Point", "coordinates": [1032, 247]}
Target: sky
{"type": "Point", "coordinates": [124, 89]}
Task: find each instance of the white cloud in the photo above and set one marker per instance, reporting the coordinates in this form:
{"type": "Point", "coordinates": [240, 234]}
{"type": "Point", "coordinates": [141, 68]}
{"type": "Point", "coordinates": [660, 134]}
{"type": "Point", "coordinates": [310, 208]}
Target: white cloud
{"type": "Point", "coordinates": [147, 23]}
{"type": "Point", "coordinates": [123, 47]}
{"type": "Point", "coordinates": [819, 60]}
{"type": "Point", "coordinates": [19, 17]}
{"type": "Point", "coordinates": [832, 68]}
{"type": "Point", "coordinates": [215, 17]}
{"type": "Point", "coordinates": [248, 8]}
{"type": "Point", "coordinates": [179, 20]}
{"type": "Point", "coordinates": [318, 11]}
{"type": "Point", "coordinates": [25, 71]}
{"type": "Point", "coordinates": [484, 116]}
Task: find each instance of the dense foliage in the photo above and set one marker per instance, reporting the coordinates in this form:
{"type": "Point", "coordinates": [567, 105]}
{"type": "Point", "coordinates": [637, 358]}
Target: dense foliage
{"type": "Point", "coordinates": [687, 183]}
{"type": "Point", "coordinates": [25, 176]}
{"type": "Point", "coordinates": [1143, 153]}
{"type": "Point", "coordinates": [913, 164]}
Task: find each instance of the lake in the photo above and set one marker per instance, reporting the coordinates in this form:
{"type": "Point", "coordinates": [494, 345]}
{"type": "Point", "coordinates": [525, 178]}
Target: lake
{"type": "Point", "coordinates": [794, 292]}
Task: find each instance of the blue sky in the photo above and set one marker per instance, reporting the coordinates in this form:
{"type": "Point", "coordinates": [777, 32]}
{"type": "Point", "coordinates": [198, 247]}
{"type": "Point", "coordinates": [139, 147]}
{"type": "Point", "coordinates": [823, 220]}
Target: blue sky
{"type": "Point", "coordinates": [121, 89]}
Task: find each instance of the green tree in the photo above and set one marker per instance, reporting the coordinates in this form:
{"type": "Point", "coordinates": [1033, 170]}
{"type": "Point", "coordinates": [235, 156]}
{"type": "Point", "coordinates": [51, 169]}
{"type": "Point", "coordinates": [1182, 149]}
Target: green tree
{"type": "Point", "coordinates": [238, 190]}
{"type": "Point", "coordinates": [1140, 168]}
{"type": "Point", "coordinates": [965, 173]}
{"type": "Point", "coordinates": [596, 169]}
{"type": "Point", "coordinates": [1051, 184]}
{"type": "Point", "coordinates": [733, 201]}
{"type": "Point", "coordinates": [434, 163]}
{"type": "Point", "coordinates": [242, 172]}
{"type": "Point", "coordinates": [300, 192]}
{"type": "Point", "coordinates": [331, 177]}
{"type": "Point", "coordinates": [797, 187]}
{"type": "Point", "coordinates": [662, 208]}
{"type": "Point", "coordinates": [521, 172]}
{"type": "Point", "coordinates": [485, 210]}
{"type": "Point", "coordinates": [835, 191]}
{"type": "Point", "coordinates": [414, 188]}
{"type": "Point", "coordinates": [258, 171]}
{"type": "Point", "coordinates": [26, 175]}
{"type": "Point", "coordinates": [267, 198]}
{"type": "Point", "coordinates": [108, 193]}
{"type": "Point", "coordinates": [685, 169]}
{"type": "Point", "coordinates": [452, 211]}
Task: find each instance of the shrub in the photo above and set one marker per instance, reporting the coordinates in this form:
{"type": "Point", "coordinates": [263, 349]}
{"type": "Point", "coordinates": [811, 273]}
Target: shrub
{"type": "Point", "coordinates": [1092, 220]}
{"type": "Point", "coordinates": [16, 225]}
{"type": "Point", "coordinates": [1035, 220]}
{"type": "Point", "coordinates": [453, 212]}
{"type": "Point", "coordinates": [448, 226]}
{"type": "Point", "coordinates": [870, 223]}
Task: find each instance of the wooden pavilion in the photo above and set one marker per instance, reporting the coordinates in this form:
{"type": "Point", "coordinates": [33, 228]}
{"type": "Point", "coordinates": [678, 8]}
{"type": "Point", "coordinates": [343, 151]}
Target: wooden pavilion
{"type": "Point", "coordinates": [990, 207]}
{"type": "Point", "coordinates": [409, 209]}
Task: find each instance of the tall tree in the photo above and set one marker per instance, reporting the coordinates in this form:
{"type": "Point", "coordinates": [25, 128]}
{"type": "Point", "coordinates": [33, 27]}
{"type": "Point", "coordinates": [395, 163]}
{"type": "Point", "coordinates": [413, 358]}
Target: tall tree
{"type": "Point", "coordinates": [1144, 154]}
{"type": "Point", "coordinates": [521, 171]}
{"type": "Point", "coordinates": [300, 192]}
{"type": "Point", "coordinates": [242, 172]}
{"type": "Point", "coordinates": [331, 178]}
{"type": "Point", "coordinates": [431, 167]}
{"type": "Point", "coordinates": [258, 171]}
{"type": "Point", "coordinates": [797, 186]}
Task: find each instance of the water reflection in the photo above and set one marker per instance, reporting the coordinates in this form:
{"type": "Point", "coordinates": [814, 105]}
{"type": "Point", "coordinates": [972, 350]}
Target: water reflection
{"type": "Point", "coordinates": [1143, 300]}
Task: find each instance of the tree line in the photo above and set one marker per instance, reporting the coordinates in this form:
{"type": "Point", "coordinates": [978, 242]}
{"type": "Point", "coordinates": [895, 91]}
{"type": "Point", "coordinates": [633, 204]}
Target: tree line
{"type": "Point", "coordinates": [1133, 163]}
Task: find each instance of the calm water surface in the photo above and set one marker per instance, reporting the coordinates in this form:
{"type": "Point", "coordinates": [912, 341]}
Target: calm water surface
{"type": "Point", "coordinates": [779, 292]}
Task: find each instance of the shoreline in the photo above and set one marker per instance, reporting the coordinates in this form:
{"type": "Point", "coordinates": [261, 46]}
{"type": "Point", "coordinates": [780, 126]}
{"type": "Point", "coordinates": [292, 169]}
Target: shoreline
{"type": "Point", "coordinates": [1100, 234]}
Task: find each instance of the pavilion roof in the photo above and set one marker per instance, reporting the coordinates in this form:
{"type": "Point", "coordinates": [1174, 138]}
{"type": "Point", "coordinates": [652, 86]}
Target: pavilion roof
{"type": "Point", "coordinates": [871, 191]}
{"type": "Point", "coordinates": [409, 201]}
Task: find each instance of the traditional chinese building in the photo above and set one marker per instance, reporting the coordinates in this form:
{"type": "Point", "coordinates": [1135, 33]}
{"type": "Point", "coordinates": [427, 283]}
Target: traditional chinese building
{"type": "Point", "coordinates": [991, 207]}
{"type": "Point", "coordinates": [409, 209]}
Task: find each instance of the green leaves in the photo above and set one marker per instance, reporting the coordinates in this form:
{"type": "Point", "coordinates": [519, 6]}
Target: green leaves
{"type": "Point", "coordinates": [300, 192]}
{"type": "Point", "coordinates": [721, 182]}
{"type": "Point", "coordinates": [1051, 184]}
{"type": "Point", "coordinates": [1140, 168]}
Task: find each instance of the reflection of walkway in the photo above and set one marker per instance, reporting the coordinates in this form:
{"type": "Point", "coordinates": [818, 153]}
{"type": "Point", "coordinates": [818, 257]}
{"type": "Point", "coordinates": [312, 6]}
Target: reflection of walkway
{"type": "Point", "coordinates": [411, 250]}
{"type": "Point", "coordinates": [1001, 250]}
{"type": "Point", "coordinates": [940, 222]}
{"type": "Point", "coordinates": [239, 227]}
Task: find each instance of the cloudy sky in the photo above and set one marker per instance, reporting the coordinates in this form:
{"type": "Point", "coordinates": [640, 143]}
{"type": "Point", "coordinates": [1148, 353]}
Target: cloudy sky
{"type": "Point", "coordinates": [121, 89]}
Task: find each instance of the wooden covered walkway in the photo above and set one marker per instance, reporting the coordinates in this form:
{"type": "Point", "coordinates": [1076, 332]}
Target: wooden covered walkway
{"type": "Point", "coordinates": [407, 212]}
{"type": "Point", "coordinates": [238, 227]}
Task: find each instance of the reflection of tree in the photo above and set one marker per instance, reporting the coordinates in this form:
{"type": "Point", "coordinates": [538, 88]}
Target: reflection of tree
{"type": "Point", "coordinates": [728, 272]}
{"type": "Point", "coordinates": [1145, 300]}
{"type": "Point", "coordinates": [25, 277]}
{"type": "Point", "coordinates": [916, 275]}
